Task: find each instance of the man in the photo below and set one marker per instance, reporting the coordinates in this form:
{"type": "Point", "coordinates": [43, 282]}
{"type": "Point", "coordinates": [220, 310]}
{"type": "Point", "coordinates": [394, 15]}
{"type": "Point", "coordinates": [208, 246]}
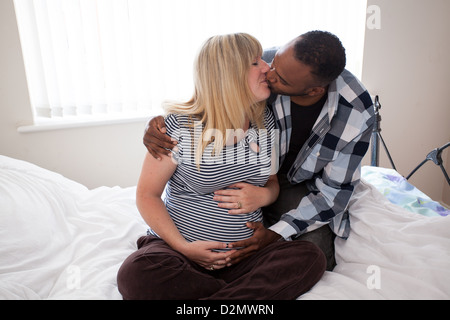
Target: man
{"type": "Point", "coordinates": [325, 117]}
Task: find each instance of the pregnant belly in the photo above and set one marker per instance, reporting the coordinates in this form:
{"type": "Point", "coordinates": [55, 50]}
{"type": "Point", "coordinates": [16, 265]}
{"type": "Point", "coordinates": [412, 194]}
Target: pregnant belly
{"type": "Point", "coordinates": [207, 222]}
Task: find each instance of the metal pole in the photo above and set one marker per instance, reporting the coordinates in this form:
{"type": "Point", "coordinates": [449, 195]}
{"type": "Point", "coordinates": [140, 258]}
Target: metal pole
{"type": "Point", "coordinates": [375, 149]}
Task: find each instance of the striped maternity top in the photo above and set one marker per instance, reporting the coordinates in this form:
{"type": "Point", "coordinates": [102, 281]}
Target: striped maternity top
{"type": "Point", "coordinates": [189, 193]}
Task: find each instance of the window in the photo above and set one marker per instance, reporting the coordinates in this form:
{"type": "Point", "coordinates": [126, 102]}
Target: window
{"type": "Point", "coordinates": [124, 57]}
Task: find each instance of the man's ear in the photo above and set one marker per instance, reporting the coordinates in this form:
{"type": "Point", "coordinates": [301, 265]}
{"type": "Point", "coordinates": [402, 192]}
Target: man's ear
{"type": "Point", "coordinates": [316, 91]}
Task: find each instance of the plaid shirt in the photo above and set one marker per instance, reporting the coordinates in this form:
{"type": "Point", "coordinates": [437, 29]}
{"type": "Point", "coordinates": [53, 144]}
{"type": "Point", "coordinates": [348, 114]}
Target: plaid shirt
{"type": "Point", "coordinates": [330, 160]}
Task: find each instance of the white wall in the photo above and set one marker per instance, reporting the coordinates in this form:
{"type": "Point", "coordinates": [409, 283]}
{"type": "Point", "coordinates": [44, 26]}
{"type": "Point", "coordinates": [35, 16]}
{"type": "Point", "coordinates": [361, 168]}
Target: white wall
{"type": "Point", "coordinates": [405, 62]}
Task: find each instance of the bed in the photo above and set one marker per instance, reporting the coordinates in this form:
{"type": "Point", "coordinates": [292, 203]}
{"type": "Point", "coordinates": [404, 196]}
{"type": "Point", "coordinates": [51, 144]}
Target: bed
{"type": "Point", "coordinates": [60, 240]}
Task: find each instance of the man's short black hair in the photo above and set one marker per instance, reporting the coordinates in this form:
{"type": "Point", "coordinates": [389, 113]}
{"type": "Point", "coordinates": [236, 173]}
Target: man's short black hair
{"type": "Point", "coordinates": [323, 52]}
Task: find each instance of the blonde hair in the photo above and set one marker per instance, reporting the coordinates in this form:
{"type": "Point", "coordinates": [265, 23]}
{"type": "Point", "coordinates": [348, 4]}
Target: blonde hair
{"type": "Point", "coordinates": [222, 98]}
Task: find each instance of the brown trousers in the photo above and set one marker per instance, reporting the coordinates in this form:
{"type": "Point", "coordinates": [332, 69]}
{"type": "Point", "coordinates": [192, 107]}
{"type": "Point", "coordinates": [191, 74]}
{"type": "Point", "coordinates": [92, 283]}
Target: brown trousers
{"type": "Point", "coordinates": [282, 271]}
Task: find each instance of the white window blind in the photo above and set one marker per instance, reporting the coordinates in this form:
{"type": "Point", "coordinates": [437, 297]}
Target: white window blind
{"type": "Point", "coordinates": [122, 57]}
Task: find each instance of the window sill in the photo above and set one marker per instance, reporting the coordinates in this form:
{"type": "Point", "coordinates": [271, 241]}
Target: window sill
{"type": "Point", "coordinates": [43, 124]}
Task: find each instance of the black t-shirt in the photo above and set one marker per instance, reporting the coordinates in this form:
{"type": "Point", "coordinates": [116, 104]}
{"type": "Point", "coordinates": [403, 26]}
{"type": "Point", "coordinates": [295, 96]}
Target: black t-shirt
{"type": "Point", "coordinates": [303, 119]}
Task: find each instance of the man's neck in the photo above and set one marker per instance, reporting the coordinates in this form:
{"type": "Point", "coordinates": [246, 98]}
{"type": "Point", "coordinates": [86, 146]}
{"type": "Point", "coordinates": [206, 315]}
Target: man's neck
{"type": "Point", "coordinates": [307, 101]}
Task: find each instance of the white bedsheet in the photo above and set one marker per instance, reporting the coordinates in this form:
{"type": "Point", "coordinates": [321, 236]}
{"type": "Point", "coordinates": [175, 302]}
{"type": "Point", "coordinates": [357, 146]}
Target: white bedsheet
{"type": "Point", "coordinates": [391, 253]}
{"type": "Point", "coordinates": [59, 240]}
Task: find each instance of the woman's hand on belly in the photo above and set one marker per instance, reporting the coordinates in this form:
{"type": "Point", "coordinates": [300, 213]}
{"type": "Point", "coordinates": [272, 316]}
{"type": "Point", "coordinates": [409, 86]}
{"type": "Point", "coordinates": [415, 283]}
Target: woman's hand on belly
{"type": "Point", "coordinates": [201, 252]}
{"type": "Point", "coordinates": [240, 198]}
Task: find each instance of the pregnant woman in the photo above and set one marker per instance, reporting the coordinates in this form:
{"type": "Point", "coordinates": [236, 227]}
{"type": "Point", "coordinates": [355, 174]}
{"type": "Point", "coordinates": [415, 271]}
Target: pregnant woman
{"type": "Point", "coordinates": [225, 135]}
